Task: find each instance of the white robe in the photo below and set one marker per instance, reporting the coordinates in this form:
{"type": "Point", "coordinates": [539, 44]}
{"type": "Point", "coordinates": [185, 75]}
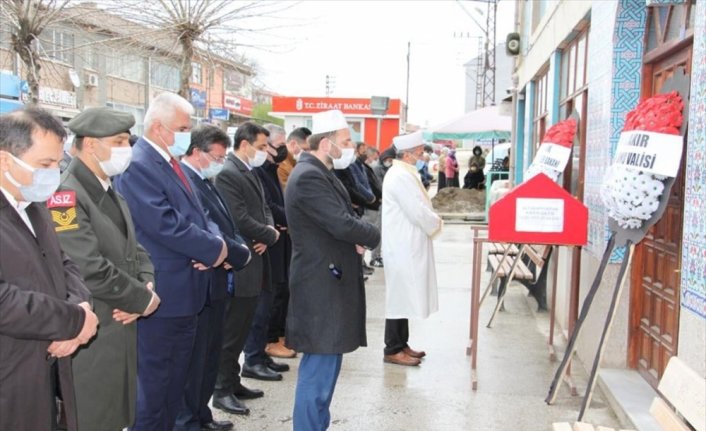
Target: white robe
{"type": "Point", "coordinates": [409, 225]}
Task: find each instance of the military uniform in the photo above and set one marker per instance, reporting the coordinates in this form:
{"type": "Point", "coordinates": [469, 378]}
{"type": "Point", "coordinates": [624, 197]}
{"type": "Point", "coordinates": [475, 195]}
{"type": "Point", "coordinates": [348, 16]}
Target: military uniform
{"type": "Point", "coordinates": [95, 229]}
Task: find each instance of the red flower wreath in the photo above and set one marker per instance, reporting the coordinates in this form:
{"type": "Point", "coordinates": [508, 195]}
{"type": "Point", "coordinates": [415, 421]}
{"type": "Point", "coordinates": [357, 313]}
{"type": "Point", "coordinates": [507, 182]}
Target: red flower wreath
{"type": "Point", "coordinates": [661, 113]}
{"type": "Point", "coordinates": [562, 133]}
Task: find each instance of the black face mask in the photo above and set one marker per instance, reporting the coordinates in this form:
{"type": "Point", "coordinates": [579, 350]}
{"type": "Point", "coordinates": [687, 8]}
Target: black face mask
{"type": "Point", "coordinates": [281, 154]}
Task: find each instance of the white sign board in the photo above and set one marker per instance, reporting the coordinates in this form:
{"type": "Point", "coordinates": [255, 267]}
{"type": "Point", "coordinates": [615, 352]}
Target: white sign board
{"type": "Point", "coordinates": [654, 153]}
{"type": "Point", "coordinates": [539, 215]}
{"type": "Point", "coordinates": [552, 156]}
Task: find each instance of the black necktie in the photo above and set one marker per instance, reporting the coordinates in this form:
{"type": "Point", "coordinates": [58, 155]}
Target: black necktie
{"type": "Point", "coordinates": [116, 215]}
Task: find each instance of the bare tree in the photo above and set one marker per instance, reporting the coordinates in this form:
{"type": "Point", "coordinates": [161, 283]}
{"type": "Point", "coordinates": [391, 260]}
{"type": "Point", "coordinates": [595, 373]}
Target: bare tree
{"type": "Point", "coordinates": [206, 27]}
{"type": "Point", "coordinates": [27, 19]}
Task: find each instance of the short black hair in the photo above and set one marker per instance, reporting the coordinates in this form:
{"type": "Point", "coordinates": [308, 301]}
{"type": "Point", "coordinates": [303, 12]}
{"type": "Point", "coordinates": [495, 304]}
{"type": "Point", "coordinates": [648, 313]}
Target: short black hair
{"type": "Point", "coordinates": [17, 127]}
{"type": "Point", "coordinates": [248, 132]}
{"type": "Point", "coordinates": [301, 134]}
{"type": "Point", "coordinates": [358, 145]}
{"type": "Point", "coordinates": [205, 135]}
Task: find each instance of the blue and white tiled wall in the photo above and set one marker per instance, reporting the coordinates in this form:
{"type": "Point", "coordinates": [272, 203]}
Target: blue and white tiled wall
{"type": "Point", "coordinates": [693, 274]}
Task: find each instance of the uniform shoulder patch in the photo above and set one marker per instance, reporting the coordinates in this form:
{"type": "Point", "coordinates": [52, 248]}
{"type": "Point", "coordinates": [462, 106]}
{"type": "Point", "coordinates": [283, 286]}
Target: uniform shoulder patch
{"type": "Point", "coordinates": [63, 199]}
{"type": "Point", "coordinates": [62, 207]}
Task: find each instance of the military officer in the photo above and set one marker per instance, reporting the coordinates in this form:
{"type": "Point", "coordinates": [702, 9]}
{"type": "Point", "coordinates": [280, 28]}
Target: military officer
{"type": "Point", "coordinates": [95, 229]}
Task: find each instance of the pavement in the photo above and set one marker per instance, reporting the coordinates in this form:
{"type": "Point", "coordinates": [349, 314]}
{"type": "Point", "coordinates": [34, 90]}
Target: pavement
{"type": "Point", "coordinates": [514, 370]}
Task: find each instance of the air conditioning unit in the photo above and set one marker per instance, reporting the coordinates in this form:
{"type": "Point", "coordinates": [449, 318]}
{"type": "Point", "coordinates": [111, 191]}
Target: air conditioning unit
{"type": "Point", "coordinates": [92, 80]}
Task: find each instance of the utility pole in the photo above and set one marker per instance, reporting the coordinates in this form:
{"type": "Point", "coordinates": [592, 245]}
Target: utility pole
{"type": "Point", "coordinates": [406, 98]}
{"type": "Point", "coordinates": [330, 83]}
{"type": "Point", "coordinates": [489, 79]}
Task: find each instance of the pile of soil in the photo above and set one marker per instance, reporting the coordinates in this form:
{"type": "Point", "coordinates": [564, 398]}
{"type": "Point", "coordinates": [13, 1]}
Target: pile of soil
{"type": "Point", "coordinates": [455, 200]}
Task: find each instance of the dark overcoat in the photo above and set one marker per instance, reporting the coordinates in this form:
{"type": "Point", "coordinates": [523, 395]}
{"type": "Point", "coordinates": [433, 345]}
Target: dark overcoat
{"type": "Point", "coordinates": [327, 295]}
{"type": "Point", "coordinates": [39, 290]}
{"type": "Point", "coordinates": [243, 193]}
{"type": "Point", "coordinates": [101, 240]}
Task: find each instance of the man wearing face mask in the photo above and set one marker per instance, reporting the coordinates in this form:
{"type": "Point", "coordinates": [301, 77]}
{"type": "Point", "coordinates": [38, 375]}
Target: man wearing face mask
{"type": "Point", "coordinates": [95, 229]}
{"type": "Point", "coordinates": [296, 145]}
{"type": "Point", "coordinates": [280, 253]}
{"type": "Point", "coordinates": [327, 296]}
{"type": "Point", "coordinates": [203, 161]}
{"type": "Point", "coordinates": [183, 245]}
{"type": "Point", "coordinates": [45, 313]}
{"type": "Point", "coordinates": [243, 193]}
{"type": "Point", "coordinates": [409, 225]}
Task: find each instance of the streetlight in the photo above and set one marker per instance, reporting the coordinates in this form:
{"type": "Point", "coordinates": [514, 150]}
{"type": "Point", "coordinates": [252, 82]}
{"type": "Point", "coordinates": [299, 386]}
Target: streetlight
{"type": "Point", "coordinates": [379, 106]}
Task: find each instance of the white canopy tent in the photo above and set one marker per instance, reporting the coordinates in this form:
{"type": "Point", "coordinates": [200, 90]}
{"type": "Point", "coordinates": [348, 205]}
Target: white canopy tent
{"type": "Point", "coordinates": [483, 123]}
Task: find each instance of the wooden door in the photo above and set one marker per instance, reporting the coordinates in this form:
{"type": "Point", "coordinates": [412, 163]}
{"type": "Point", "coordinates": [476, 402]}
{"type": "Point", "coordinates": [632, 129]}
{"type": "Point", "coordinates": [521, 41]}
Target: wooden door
{"type": "Point", "coordinates": [654, 302]}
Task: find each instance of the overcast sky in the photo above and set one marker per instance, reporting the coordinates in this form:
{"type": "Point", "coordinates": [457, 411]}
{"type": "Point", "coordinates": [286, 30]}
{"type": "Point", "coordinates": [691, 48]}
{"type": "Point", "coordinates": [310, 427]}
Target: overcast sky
{"type": "Point", "coordinates": [363, 44]}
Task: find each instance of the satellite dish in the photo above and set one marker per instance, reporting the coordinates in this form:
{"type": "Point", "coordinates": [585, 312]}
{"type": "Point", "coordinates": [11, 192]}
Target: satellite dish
{"type": "Point", "coordinates": [73, 76]}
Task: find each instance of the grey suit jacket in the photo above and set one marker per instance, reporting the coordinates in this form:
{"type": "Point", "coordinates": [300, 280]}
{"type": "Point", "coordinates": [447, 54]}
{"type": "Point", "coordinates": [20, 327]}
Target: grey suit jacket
{"type": "Point", "coordinates": [244, 195]}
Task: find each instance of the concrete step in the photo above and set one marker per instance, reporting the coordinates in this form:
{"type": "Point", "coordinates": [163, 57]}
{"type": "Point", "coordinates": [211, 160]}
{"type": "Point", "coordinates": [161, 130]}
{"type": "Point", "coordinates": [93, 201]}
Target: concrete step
{"type": "Point", "coordinates": [630, 397]}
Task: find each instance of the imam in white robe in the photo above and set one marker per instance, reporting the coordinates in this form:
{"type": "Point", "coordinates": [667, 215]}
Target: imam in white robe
{"type": "Point", "coordinates": [409, 225]}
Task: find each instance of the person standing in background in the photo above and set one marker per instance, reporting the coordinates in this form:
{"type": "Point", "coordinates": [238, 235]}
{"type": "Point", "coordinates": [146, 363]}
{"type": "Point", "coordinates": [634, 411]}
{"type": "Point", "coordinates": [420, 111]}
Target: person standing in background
{"type": "Point", "coordinates": [441, 182]}
{"type": "Point", "coordinates": [203, 161]}
{"type": "Point", "coordinates": [281, 251]}
{"type": "Point", "coordinates": [409, 226]}
{"type": "Point", "coordinates": [296, 144]}
{"type": "Point", "coordinates": [451, 169]}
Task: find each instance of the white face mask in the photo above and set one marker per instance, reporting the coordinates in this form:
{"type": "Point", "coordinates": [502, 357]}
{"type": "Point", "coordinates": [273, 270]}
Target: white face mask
{"type": "Point", "coordinates": [347, 157]}
{"type": "Point", "coordinates": [258, 159]}
{"type": "Point", "coordinates": [119, 160]}
{"type": "Point", "coordinates": [45, 181]}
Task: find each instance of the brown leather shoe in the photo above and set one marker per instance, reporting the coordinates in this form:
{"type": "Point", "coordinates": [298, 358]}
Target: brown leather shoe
{"type": "Point", "coordinates": [413, 353]}
{"type": "Point", "coordinates": [401, 358]}
{"type": "Point", "coordinates": [279, 350]}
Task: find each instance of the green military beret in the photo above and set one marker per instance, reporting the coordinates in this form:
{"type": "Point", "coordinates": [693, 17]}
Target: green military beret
{"type": "Point", "coordinates": [101, 122]}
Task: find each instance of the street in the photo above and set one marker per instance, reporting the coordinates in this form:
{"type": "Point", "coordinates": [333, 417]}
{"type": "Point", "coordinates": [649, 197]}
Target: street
{"type": "Point", "coordinates": [514, 371]}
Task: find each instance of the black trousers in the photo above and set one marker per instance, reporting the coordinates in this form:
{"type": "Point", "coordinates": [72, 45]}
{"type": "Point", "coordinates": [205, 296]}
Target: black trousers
{"type": "Point", "coordinates": [239, 316]}
{"type": "Point", "coordinates": [278, 314]}
{"type": "Point", "coordinates": [396, 335]}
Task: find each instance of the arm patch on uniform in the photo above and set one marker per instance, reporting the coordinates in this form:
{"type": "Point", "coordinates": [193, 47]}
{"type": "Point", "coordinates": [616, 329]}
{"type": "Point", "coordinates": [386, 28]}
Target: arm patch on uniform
{"type": "Point", "coordinates": [64, 214]}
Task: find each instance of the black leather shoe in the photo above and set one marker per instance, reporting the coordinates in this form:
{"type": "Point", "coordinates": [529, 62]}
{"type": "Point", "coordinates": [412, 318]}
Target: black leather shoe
{"type": "Point", "coordinates": [260, 372]}
{"type": "Point", "coordinates": [217, 425]}
{"type": "Point", "coordinates": [278, 367]}
{"type": "Point", "coordinates": [244, 393]}
{"type": "Point", "coordinates": [230, 404]}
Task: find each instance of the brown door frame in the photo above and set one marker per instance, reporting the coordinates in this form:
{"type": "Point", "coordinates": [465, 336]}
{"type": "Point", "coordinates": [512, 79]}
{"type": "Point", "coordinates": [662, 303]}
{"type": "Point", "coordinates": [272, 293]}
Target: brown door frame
{"type": "Point", "coordinates": [680, 53]}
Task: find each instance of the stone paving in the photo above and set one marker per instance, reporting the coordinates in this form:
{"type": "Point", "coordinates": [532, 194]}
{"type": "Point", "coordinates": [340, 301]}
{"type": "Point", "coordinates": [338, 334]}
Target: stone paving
{"type": "Point", "coordinates": [514, 371]}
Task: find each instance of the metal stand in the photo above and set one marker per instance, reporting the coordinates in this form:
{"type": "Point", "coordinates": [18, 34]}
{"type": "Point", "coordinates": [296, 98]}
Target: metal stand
{"type": "Point", "coordinates": [571, 347]}
{"type": "Point", "coordinates": [620, 284]}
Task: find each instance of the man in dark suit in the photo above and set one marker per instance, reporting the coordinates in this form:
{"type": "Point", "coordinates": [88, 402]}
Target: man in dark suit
{"type": "Point", "coordinates": [203, 161]}
{"type": "Point", "coordinates": [171, 224]}
{"type": "Point", "coordinates": [327, 296]}
{"type": "Point", "coordinates": [118, 272]}
{"type": "Point", "coordinates": [281, 252]}
{"type": "Point", "coordinates": [44, 305]}
{"type": "Point", "coordinates": [245, 198]}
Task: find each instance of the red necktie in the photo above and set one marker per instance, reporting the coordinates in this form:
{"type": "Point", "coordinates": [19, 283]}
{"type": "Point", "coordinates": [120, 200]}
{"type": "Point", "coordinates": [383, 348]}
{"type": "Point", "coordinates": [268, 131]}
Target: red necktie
{"type": "Point", "coordinates": [180, 173]}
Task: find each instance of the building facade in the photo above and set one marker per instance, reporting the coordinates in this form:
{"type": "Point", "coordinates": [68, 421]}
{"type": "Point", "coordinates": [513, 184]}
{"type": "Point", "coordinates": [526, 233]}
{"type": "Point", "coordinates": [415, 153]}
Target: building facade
{"type": "Point", "coordinates": [599, 59]}
{"type": "Point", "coordinates": [374, 130]}
{"type": "Point", "coordinates": [99, 59]}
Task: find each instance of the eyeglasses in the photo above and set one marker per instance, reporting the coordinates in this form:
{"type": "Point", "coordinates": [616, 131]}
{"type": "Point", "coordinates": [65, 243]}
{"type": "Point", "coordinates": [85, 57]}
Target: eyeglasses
{"type": "Point", "coordinates": [221, 159]}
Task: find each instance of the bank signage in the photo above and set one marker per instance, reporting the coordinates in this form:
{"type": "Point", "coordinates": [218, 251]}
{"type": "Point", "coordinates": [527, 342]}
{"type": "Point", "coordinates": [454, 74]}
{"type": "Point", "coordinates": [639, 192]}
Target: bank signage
{"type": "Point", "coordinates": [317, 104]}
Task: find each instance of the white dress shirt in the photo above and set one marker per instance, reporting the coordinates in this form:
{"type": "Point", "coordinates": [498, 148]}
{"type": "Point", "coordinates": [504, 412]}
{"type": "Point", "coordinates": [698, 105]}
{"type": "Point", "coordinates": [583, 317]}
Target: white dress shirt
{"type": "Point", "coordinates": [20, 207]}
